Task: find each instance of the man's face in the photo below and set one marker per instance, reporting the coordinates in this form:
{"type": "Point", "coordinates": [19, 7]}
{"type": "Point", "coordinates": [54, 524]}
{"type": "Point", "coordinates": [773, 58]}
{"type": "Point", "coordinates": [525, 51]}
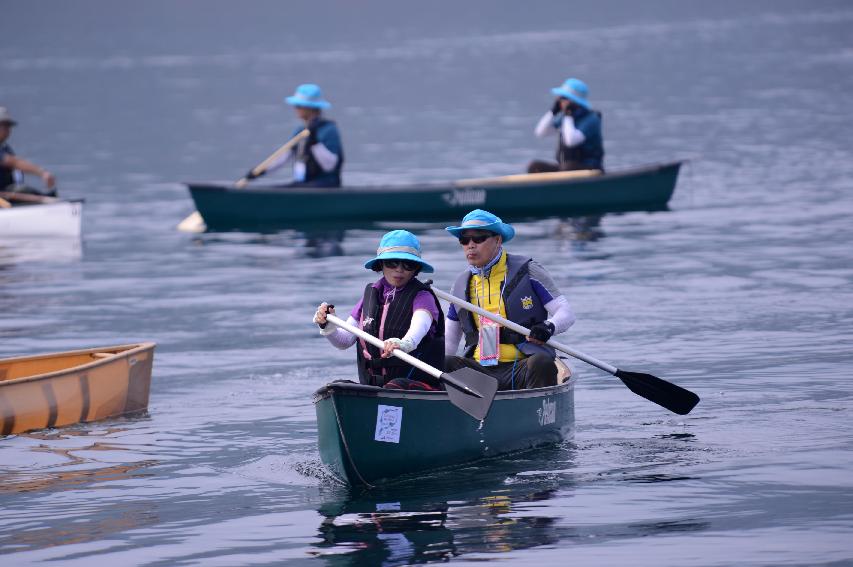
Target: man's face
{"type": "Point", "coordinates": [304, 113]}
{"type": "Point", "coordinates": [5, 130]}
{"type": "Point", "coordinates": [480, 253]}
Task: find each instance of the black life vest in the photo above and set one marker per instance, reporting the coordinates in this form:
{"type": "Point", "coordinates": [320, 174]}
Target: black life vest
{"type": "Point", "coordinates": [7, 174]}
{"type": "Point", "coordinates": [521, 303]}
{"type": "Point", "coordinates": [313, 171]}
{"type": "Point", "coordinates": [589, 154]}
{"type": "Point", "coordinates": [376, 371]}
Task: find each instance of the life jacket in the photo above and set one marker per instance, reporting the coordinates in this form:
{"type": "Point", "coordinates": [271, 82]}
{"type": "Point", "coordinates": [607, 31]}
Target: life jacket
{"type": "Point", "coordinates": [7, 174]}
{"type": "Point", "coordinates": [589, 154]}
{"type": "Point", "coordinates": [521, 303]}
{"type": "Point", "coordinates": [313, 171]}
{"type": "Point", "coordinates": [392, 319]}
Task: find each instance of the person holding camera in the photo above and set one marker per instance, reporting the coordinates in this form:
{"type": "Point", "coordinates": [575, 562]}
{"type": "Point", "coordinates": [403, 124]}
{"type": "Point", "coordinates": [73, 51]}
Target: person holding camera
{"type": "Point", "coordinates": [578, 128]}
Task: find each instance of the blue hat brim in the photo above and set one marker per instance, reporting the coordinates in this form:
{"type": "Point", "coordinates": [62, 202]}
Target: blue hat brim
{"type": "Point", "coordinates": [558, 91]}
{"type": "Point", "coordinates": [505, 230]}
{"type": "Point", "coordinates": [425, 268]}
{"type": "Point", "coordinates": [318, 104]}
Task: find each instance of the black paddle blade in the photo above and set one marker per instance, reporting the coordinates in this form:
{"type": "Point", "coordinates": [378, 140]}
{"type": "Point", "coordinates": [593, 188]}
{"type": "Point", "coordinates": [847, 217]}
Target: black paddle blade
{"type": "Point", "coordinates": [674, 398]}
{"type": "Point", "coordinates": [470, 391]}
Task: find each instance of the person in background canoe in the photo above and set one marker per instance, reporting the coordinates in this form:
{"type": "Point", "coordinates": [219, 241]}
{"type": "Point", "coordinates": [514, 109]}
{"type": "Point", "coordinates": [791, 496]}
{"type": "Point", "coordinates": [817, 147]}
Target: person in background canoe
{"type": "Point", "coordinates": [318, 159]}
{"type": "Point", "coordinates": [515, 287]}
{"type": "Point", "coordinates": [578, 128]}
{"type": "Point", "coordinates": [13, 167]}
{"type": "Point", "coordinates": [398, 309]}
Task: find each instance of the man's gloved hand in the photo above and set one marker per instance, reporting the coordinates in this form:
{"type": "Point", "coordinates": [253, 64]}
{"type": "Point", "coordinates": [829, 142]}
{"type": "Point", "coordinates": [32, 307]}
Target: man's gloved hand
{"type": "Point", "coordinates": [542, 331]}
{"type": "Point", "coordinates": [253, 175]}
{"type": "Point", "coordinates": [557, 108]}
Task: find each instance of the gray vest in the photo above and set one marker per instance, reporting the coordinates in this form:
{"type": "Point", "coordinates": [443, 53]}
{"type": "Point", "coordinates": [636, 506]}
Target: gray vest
{"type": "Point", "coordinates": [522, 306]}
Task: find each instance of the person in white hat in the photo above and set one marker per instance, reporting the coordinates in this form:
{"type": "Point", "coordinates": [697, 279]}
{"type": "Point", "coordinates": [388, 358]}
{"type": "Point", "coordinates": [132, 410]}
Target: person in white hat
{"type": "Point", "coordinates": [578, 128]}
{"type": "Point", "coordinates": [13, 167]}
{"type": "Point", "coordinates": [318, 159]}
{"type": "Point", "coordinates": [399, 309]}
{"type": "Point", "coordinates": [515, 287]}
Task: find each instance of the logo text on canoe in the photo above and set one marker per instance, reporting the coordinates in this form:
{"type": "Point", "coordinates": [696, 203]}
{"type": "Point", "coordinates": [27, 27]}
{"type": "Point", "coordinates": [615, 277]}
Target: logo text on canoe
{"type": "Point", "coordinates": [465, 197]}
{"type": "Point", "coordinates": [548, 412]}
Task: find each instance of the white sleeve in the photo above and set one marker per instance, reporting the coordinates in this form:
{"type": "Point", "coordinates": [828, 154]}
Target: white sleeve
{"type": "Point", "coordinates": [452, 336]}
{"type": "Point", "coordinates": [421, 322]}
{"type": "Point", "coordinates": [571, 135]}
{"type": "Point", "coordinates": [560, 314]}
{"type": "Point", "coordinates": [340, 338]}
{"type": "Point", "coordinates": [327, 159]}
{"type": "Point", "coordinates": [282, 159]}
{"type": "Point", "coordinates": [545, 125]}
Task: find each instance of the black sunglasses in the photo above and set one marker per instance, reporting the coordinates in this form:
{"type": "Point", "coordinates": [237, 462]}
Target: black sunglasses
{"type": "Point", "coordinates": [479, 239]}
{"type": "Point", "coordinates": [409, 266]}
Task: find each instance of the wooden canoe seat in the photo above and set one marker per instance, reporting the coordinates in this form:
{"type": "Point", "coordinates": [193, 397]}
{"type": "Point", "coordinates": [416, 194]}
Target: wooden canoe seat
{"type": "Point", "coordinates": [102, 354]}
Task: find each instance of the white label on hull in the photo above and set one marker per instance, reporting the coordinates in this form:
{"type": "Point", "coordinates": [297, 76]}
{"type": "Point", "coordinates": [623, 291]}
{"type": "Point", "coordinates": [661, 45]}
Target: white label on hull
{"type": "Point", "coordinates": [389, 419]}
{"type": "Point", "coordinates": [465, 197]}
{"type": "Point", "coordinates": [548, 412]}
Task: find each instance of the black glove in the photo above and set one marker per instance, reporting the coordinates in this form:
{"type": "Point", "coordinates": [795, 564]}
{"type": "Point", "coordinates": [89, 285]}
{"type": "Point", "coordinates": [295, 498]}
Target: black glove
{"type": "Point", "coordinates": [542, 331]}
{"type": "Point", "coordinates": [557, 108]}
{"type": "Point", "coordinates": [253, 175]}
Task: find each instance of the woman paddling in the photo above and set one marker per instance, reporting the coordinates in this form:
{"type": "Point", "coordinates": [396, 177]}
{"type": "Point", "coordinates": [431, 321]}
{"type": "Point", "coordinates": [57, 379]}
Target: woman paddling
{"type": "Point", "coordinates": [400, 310]}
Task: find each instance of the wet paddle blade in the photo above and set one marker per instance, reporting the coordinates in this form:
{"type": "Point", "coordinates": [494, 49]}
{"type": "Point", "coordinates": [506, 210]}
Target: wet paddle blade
{"type": "Point", "coordinates": [674, 398]}
{"type": "Point", "coordinates": [470, 391]}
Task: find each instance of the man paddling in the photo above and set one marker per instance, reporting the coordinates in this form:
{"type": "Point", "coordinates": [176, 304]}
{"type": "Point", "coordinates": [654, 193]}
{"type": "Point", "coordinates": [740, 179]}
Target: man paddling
{"type": "Point", "coordinates": [516, 288]}
{"type": "Point", "coordinates": [318, 158]}
{"type": "Point", "coordinates": [13, 167]}
{"type": "Point", "coordinates": [578, 129]}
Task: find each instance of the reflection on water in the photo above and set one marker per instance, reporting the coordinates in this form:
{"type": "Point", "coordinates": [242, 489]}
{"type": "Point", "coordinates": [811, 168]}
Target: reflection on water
{"type": "Point", "coordinates": [483, 508]}
{"type": "Point", "coordinates": [14, 250]}
{"type": "Point", "coordinates": [307, 244]}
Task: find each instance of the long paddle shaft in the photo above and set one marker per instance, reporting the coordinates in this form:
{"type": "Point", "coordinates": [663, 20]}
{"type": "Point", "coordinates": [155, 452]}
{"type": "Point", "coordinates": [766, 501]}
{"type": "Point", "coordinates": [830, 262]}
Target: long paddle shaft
{"type": "Point", "coordinates": [194, 221]}
{"type": "Point", "coordinates": [469, 390]}
{"type": "Point", "coordinates": [666, 394]}
{"type": "Point", "coordinates": [262, 167]}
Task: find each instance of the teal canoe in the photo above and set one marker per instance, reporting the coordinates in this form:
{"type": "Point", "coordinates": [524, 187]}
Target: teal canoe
{"type": "Point", "coordinates": [367, 435]}
{"type": "Point", "coordinates": [567, 193]}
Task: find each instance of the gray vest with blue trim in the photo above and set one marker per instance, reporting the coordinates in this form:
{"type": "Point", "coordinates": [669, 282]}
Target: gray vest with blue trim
{"type": "Point", "coordinates": [521, 303]}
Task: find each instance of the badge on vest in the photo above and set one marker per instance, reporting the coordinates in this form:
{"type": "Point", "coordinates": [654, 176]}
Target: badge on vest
{"type": "Point", "coordinates": [527, 302]}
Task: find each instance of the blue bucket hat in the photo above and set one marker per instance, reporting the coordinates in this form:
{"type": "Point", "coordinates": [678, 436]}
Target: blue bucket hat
{"type": "Point", "coordinates": [309, 96]}
{"type": "Point", "coordinates": [399, 245]}
{"type": "Point", "coordinates": [478, 219]}
{"type": "Point", "coordinates": [574, 90]}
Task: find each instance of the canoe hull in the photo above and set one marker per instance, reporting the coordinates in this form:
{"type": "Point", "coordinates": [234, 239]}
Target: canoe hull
{"type": "Point", "coordinates": [367, 434]}
{"type": "Point", "coordinates": [54, 390]}
{"type": "Point", "coordinates": [526, 196]}
{"type": "Point", "coordinates": [60, 218]}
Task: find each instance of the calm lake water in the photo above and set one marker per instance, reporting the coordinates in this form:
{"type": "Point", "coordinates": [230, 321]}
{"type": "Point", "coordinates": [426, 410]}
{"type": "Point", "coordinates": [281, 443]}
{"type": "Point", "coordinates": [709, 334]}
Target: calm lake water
{"type": "Point", "coordinates": [742, 292]}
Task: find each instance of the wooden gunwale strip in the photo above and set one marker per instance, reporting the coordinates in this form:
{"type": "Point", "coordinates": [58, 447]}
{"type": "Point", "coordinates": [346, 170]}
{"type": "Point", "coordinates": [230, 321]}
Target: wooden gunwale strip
{"type": "Point", "coordinates": [130, 350]}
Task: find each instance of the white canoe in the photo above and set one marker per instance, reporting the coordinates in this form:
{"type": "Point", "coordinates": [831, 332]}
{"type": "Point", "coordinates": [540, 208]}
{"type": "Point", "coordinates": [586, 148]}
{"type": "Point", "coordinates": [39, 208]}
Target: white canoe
{"type": "Point", "coordinates": [40, 216]}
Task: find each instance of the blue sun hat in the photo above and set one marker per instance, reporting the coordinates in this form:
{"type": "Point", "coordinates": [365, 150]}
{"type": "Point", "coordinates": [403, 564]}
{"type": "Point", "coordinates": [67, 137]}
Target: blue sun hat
{"type": "Point", "coordinates": [399, 245]}
{"type": "Point", "coordinates": [478, 219]}
{"type": "Point", "coordinates": [308, 95]}
{"type": "Point", "coordinates": [574, 90]}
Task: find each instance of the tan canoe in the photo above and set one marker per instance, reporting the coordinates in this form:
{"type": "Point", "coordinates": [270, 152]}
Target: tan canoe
{"type": "Point", "coordinates": [57, 389]}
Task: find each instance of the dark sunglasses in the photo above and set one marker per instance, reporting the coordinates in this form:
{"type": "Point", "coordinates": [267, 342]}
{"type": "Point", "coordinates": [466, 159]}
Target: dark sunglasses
{"type": "Point", "coordinates": [463, 240]}
{"type": "Point", "coordinates": [407, 265]}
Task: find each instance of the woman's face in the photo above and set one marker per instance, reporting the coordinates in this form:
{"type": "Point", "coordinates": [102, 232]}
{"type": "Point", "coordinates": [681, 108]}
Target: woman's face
{"type": "Point", "coordinates": [398, 272]}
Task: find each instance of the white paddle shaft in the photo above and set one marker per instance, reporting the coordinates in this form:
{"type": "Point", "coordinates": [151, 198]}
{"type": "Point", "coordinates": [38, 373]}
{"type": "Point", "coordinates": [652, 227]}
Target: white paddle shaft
{"type": "Point", "coordinates": [519, 329]}
{"type": "Point", "coordinates": [377, 342]}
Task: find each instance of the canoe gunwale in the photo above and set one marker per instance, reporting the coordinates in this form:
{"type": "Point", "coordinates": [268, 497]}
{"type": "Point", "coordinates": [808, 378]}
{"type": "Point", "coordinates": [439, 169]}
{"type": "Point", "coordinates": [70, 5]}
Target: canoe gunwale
{"type": "Point", "coordinates": [493, 184]}
{"type": "Point", "coordinates": [126, 350]}
{"type": "Point", "coordinates": [363, 390]}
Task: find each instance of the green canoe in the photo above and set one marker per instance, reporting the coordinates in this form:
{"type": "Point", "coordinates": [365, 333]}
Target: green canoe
{"type": "Point", "coordinates": [567, 193]}
{"type": "Point", "coordinates": [368, 434]}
